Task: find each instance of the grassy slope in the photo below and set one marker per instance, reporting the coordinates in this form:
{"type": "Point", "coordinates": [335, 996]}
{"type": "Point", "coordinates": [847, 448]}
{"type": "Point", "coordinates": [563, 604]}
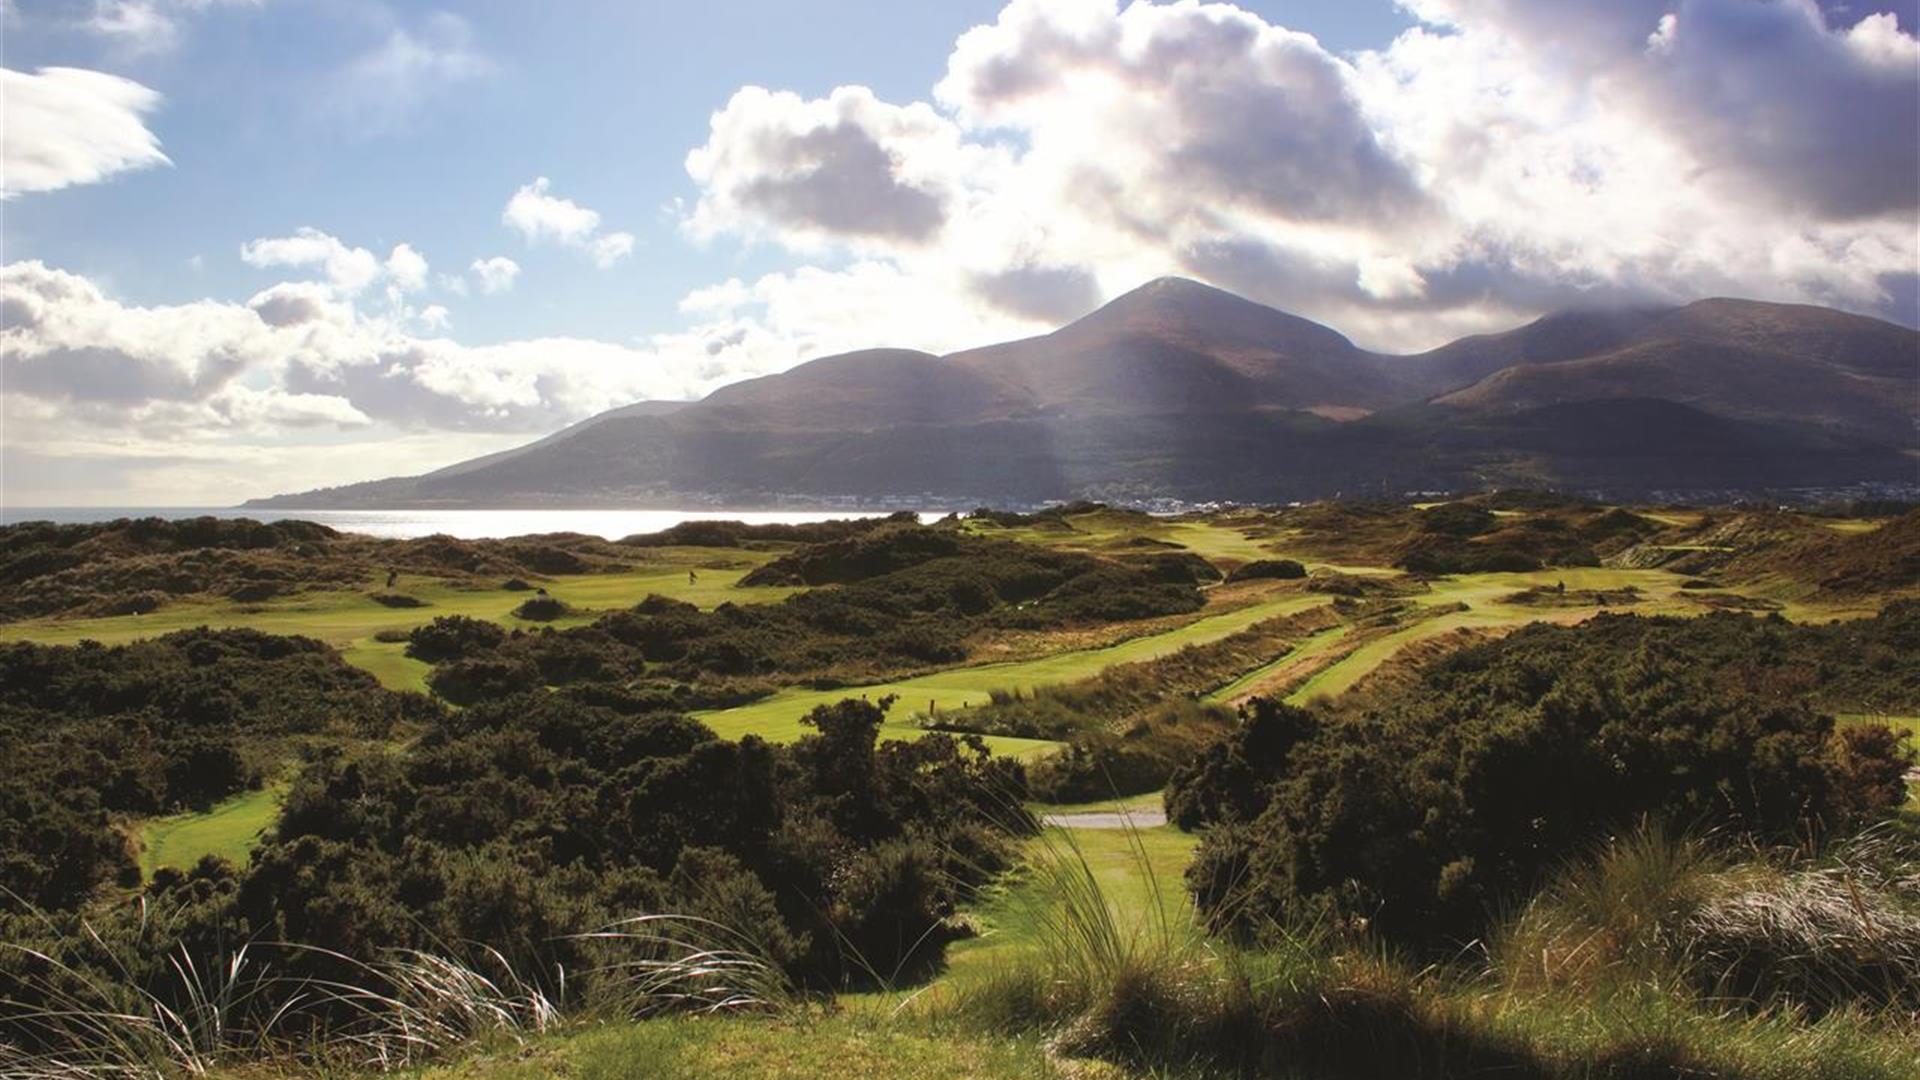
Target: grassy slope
{"type": "Point", "coordinates": [229, 830]}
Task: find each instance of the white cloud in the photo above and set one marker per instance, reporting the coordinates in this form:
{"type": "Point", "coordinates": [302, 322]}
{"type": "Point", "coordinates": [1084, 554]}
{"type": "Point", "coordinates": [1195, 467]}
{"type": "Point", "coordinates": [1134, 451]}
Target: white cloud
{"type": "Point", "coordinates": [299, 354]}
{"type": "Point", "coordinates": [540, 216]}
{"type": "Point", "coordinates": [496, 274]}
{"type": "Point", "coordinates": [407, 268]}
{"type": "Point", "coordinates": [609, 249]}
{"type": "Point", "coordinates": [67, 126]}
{"type": "Point", "coordinates": [349, 269]}
{"type": "Point", "coordinates": [292, 303]}
{"type": "Point", "coordinates": [384, 89]}
{"type": "Point", "coordinates": [848, 165]}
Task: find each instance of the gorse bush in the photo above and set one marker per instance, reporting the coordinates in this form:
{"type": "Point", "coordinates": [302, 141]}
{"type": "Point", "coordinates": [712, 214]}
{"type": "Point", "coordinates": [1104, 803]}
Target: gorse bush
{"type": "Point", "coordinates": [1421, 812]}
{"type": "Point", "coordinates": [452, 637]}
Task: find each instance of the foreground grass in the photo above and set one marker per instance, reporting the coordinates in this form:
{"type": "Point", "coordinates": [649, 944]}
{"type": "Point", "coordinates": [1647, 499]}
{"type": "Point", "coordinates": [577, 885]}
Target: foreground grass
{"type": "Point", "coordinates": [845, 1044]}
{"type": "Point", "coordinates": [229, 830]}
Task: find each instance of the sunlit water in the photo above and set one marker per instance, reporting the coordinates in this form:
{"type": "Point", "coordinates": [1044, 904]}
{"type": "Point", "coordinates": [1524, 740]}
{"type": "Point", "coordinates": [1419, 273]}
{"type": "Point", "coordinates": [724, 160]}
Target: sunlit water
{"type": "Point", "coordinates": [466, 524]}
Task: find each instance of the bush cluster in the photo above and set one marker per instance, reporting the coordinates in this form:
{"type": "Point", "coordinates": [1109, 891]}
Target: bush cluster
{"type": "Point", "coordinates": [90, 733]}
{"type": "Point", "coordinates": [1421, 812]}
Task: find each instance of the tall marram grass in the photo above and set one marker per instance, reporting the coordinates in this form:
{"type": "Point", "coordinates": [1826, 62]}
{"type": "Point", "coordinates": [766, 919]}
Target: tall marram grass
{"type": "Point", "coordinates": [1753, 930]}
{"type": "Point", "coordinates": [1615, 993]}
{"type": "Point", "coordinates": [396, 1010]}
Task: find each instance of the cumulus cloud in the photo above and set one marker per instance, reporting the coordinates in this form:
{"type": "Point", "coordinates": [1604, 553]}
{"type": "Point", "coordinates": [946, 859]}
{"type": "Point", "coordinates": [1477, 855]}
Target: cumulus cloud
{"type": "Point", "coordinates": [848, 165]}
{"type": "Point", "coordinates": [1507, 158]}
{"type": "Point", "coordinates": [496, 274]}
{"type": "Point", "coordinates": [349, 269]}
{"type": "Point", "coordinates": [301, 355]}
{"type": "Point", "coordinates": [540, 216]}
{"type": "Point", "coordinates": [1770, 94]}
{"type": "Point", "coordinates": [407, 268]}
{"type": "Point", "coordinates": [67, 126]}
{"type": "Point", "coordinates": [292, 303]}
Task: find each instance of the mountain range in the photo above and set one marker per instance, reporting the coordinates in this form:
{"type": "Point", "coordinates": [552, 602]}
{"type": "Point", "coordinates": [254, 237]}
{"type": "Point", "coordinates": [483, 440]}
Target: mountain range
{"type": "Point", "coordinates": [1182, 391]}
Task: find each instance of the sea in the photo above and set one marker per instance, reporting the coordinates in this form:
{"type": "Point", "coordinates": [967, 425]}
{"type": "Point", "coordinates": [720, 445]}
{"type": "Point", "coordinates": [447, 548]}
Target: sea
{"type": "Point", "coordinates": [465, 524]}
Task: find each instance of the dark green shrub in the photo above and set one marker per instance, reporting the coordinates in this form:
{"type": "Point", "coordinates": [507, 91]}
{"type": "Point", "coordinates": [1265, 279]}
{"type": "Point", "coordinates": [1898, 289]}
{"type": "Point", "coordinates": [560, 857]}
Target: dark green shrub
{"type": "Point", "coordinates": [1284, 569]}
{"type": "Point", "coordinates": [397, 600]}
{"type": "Point", "coordinates": [540, 609]}
{"type": "Point", "coordinates": [452, 637]}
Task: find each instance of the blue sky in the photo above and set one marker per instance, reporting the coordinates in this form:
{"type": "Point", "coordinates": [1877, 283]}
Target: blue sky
{"type": "Point", "coordinates": [291, 297]}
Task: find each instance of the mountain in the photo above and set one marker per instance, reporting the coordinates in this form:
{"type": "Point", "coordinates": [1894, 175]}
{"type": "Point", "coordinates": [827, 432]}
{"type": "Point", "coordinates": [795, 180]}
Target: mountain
{"type": "Point", "coordinates": [1174, 345]}
{"type": "Point", "coordinates": [1181, 390]}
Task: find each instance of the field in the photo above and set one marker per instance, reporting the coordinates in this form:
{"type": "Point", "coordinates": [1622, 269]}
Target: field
{"type": "Point", "coordinates": [947, 1023]}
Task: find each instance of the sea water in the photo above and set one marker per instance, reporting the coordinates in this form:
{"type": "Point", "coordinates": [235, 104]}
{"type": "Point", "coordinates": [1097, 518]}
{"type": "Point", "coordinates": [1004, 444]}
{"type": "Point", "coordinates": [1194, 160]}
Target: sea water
{"type": "Point", "coordinates": [465, 524]}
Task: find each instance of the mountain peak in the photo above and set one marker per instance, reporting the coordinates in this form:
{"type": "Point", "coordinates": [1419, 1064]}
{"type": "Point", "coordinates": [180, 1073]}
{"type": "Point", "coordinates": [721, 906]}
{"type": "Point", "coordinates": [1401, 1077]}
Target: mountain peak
{"type": "Point", "coordinates": [1185, 311]}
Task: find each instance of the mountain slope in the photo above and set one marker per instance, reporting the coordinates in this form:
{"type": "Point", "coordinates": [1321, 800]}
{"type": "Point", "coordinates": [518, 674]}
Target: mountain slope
{"type": "Point", "coordinates": [1734, 358]}
{"type": "Point", "coordinates": [1181, 390]}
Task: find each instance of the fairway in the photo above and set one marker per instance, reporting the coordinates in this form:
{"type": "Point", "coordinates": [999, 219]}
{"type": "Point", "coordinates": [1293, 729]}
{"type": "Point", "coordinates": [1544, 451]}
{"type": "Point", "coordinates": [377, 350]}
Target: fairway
{"type": "Point", "coordinates": [1483, 595]}
{"type": "Point", "coordinates": [1251, 683]}
{"type": "Point", "coordinates": [229, 830]}
{"type": "Point", "coordinates": [778, 717]}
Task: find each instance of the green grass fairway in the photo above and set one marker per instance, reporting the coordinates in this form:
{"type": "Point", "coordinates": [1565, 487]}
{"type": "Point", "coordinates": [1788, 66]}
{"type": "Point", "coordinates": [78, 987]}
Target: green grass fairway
{"type": "Point", "coordinates": [348, 620]}
{"type": "Point", "coordinates": [1482, 593]}
{"type": "Point", "coordinates": [1314, 646]}
{"type": "Point", "coordinates": [229, 830]}
{"type": "Point", "coordinates": [778, 717]}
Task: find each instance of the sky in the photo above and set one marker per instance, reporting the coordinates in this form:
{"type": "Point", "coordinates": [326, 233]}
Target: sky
{"type": "Point", "coordinates": [258, 246]}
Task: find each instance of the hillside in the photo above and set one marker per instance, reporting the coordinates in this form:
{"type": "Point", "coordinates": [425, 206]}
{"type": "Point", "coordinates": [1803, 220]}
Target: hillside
{"type": "Point", "coordinates": [1181, 390]}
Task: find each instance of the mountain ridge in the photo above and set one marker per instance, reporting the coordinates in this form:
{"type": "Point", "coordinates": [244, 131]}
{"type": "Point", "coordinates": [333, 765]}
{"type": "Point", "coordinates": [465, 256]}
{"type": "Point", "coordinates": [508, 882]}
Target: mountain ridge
{"type": "Point", "coordinates": [1180, 390]}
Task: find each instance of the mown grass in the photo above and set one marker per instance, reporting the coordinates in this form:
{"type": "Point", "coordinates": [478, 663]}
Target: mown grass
{"type": "Point", "coordinates": [228, 830]}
